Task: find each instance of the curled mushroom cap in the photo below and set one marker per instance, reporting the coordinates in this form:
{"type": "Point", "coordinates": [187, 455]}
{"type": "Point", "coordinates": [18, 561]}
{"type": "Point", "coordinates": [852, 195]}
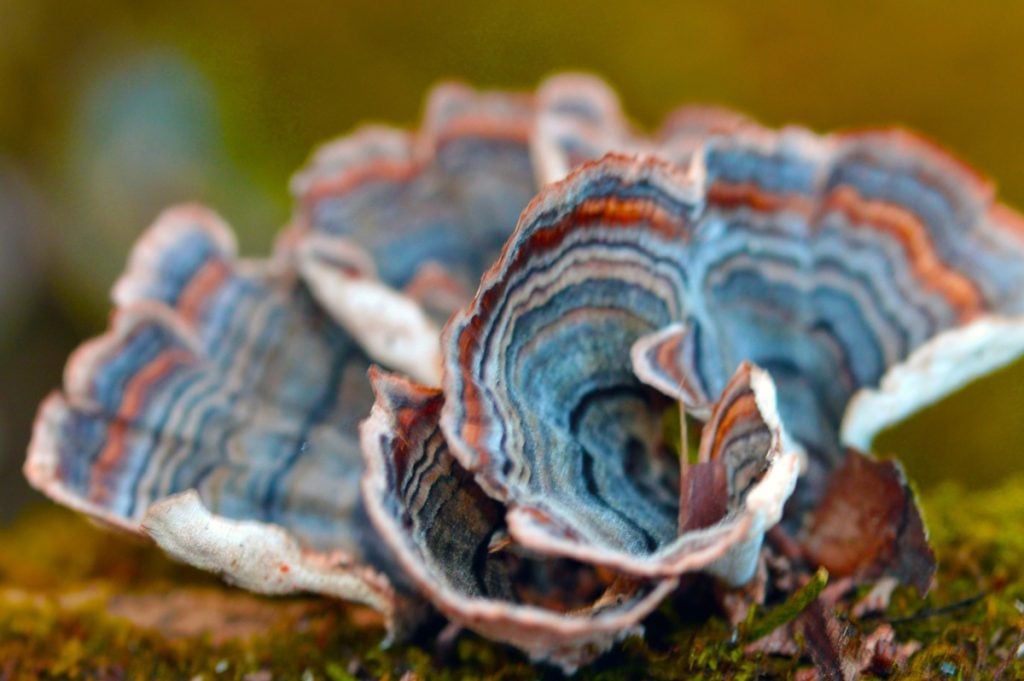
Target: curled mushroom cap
{"type": "Point", "coordinates": [450, 538]}
{"type": "Point", "coordinates": [863, 270]}
{"type": "Point", "coordinates": [221, 394]}
{"type": "Point", "coordinates": [431, 207]}
{"type": "Point", "coordinates": [871, 272]}
{"type": "Point", "coordinates": [431, 211]}
{"type": "Point", "coordinates": [541, 400]}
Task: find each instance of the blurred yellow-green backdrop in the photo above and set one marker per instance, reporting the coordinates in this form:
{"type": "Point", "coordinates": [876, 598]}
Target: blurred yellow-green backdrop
{"type": "Point", "coordinates": [111, 110]}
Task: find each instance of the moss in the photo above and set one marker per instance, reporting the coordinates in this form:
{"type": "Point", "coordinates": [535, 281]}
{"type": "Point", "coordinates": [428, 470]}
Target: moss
{"type": "Point", "coordinates": [972, 624]}
{"type": "Point", "coordinates": [66, 589]}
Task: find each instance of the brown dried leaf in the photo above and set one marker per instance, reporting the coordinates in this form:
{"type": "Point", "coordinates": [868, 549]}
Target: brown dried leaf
{"type": "Point", "coordinates": [868, 526]}
{"type": "Point", "coordinates": [704, 494]}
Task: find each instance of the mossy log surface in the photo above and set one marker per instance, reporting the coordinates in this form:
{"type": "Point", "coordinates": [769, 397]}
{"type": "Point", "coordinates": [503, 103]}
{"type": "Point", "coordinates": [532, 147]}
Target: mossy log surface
{"type": "Point", "coordinates": [82, 603]}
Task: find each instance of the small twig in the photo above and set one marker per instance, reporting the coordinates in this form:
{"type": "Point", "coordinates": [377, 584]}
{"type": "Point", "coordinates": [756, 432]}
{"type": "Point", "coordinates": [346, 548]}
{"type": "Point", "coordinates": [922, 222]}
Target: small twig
{"type": "Point", "coordinates": [925, 613]}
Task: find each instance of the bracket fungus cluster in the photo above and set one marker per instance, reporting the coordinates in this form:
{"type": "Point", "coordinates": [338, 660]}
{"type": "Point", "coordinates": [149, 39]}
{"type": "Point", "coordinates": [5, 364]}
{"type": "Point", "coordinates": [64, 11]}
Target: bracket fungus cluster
{"type": "Point", "coordinates": [449, 387]}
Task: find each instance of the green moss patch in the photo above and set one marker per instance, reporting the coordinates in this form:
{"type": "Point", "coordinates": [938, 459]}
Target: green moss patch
{"type": "Point", "coordinates": [77, 602]}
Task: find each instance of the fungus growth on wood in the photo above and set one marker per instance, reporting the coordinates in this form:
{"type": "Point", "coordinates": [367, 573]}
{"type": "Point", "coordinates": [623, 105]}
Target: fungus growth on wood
{"type": "Point", "coordinates": [447, 389]}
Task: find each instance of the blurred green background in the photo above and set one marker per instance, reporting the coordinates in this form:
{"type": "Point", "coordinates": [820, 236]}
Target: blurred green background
{"type": "Point", "coordinates": [111, 110]}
